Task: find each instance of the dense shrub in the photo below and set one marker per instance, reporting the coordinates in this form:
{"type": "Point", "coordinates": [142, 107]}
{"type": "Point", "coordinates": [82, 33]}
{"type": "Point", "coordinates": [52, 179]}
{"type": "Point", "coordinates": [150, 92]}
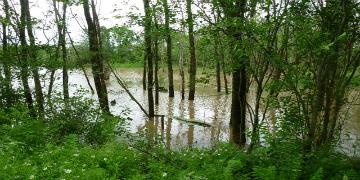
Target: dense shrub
{"type": "Point", "coordinates": [58, 148]}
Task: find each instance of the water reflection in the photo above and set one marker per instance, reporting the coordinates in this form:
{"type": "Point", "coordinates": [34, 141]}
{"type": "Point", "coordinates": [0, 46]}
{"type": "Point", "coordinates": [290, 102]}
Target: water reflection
{"type": "Point", "coordinates": [209, 107]}
{"type": "Point", "coordinates": [191, 109]}
{"type": "Point", "coordinates": [169, 122]}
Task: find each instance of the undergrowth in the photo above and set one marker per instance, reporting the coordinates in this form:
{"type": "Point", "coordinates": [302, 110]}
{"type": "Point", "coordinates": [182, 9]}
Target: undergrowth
{"type": "Point", "coordinates": [74, 144]}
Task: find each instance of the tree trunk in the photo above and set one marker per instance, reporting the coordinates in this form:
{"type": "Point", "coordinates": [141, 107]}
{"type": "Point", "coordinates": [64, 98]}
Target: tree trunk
{"type": "Point", "coordinates": [192, 72]}
{"type": "Point", "coordinates": [181, 69]}
{"type": "Point", "coordinates": [32, 54]}
{"type": "Point", "coordinates": [156, 58]}
{"type": "Point", "coordinates": [24, 61]}
{"type": "Point", "coordinates": [64, 55]}
{"type": "Point", "coordinates": [218, 70]}
{"type": "Point", "coordinates": [96, 56]}
{"type": "Point", "coordinates": [168, 48]}
{"type": "Point", "coordinates": [148, 56]}
{"type": "Point", "coordinates": [61, 27]}
{"type": "Point", "coordinates": [239, 85]}
{"type": "Point", "coordinates": [144, 72]}
{"type": "Point", "coordinates": [224, 71]}
{"type": "Point", "coordinates": [7, 80]}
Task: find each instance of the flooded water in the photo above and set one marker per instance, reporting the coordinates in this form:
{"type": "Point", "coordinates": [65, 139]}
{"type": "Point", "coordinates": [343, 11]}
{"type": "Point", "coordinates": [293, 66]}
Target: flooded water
{"type": "Point", "coordinates": [208, 107]}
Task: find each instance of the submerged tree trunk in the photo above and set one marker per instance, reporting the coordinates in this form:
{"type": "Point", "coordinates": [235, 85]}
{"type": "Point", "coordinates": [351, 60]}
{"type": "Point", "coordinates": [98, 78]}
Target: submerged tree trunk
{"type": "Point", "coordinates": [218, 69]}
{"type": "Point", "coordinates": [181, 69]}
{"type": "Point", "coordinates": [168, 48]}
{"type": "Point", "coordinates": [192, 72]}
{"type": "Point", "coordinates": [239, 84]}
{"type": "Point", "coordinates": [148, 56]}
{"type": "Point", "coordinates": [156, 59]}
{"type": "Point", "coordinates": [97, 60]}
{"type": "Point", "coordinates": [222, 56]}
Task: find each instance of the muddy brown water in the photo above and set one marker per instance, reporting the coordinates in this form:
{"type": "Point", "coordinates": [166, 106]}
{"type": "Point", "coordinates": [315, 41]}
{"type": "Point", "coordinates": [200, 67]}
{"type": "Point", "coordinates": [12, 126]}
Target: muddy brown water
{"type": "Point", "coordinates": [209, 107]}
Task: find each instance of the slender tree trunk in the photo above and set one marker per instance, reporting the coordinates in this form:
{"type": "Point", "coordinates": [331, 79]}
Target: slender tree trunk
{"type": "Point", "coordinates": [156, 58]}
{"type": "Point", "coordinates": [218, 69]}
{"type": "Point", "coordinates": [7, 80]}
{"type": "Point", "coordinates": [148, 55]}
{"type": "Point", "coordinates": [182, 57]}
{"type": "Point", "coordinates": [192, 72]}
{"type": "Point", "coordinates": [144, 72]}
{"type": "Point", "coordinates": [97, 60]}
{"type": "Point", "coordinates": [32, 54]}
{"type": "Point", "coordinates": [168, 48]}
{"type": "Point", "coordinates": [61, 27]}
{"type": "Point", "coordinates": [181, 68]}
{"type": "Point", "coordinates": [51, 83]}
{"type": "Point", "coordinates": [221, 50]}
{"type": "Point", "coordinates": [224, 71]}
{"type": "Point", "coordinates": [64, 54]}
{"type": "Point", "coordinates": [24, 61]}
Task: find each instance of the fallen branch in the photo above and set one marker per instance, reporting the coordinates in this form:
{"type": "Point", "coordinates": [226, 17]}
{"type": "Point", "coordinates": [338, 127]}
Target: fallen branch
{"type": "Point", "coordinates": [81, 66]}
{"type": "Point", "coordinates": [192, 121]}
{"type": "Point", "coordinates": [123, 85]}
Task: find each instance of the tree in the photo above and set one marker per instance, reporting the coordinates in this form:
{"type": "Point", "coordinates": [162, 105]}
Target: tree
{"type": "Point", "coordinates": [192, 71]}
{"type": "Point", "coordinates": [168, 48]}
{"type": "Point", "coordinates": [156, 55]}
{"type": "Point", "coordinates": [235, 15]}
{"type": "Point", "coordinates": [30, 51]}
{"type": "Point", "coordinates": [97, 61]}
{"type": "Point", "coordinates": [7, 89]}
{"type": "Point", "coordinates": [61, 27]}
{"type": "Point", "coordinates": [149, 56]}
{"type": "Point", "coordinates": [24, 63]}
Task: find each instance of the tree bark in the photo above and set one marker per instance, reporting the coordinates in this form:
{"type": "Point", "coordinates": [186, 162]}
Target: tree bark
{"type": "Point", "coordinates": [239, 84]}
{"type": "Point", "coordinates": [144, 72]}
{"type": "Point", "coordinates": [148, 56]}
{"type": "Point", "coordinates": [181, 69]}
{"type": "Point", "coordinates": [32, 54]}
{"type": "Point", "coordinates": [61, 27]}
{"type": "Point", "coordinates": [192, 72]}
{"type": "Point", "coordinates": [97, 60]}
{"type": "Point", "coordinates": [218, 68]}
{"type": "Point", "coordinates": [168, 48]}
{"type": "Point", "coordinates": [156, 58]}
{"type": "Point", "coordinates": [7, 72]}
{"type": "Point", "coordinates": [24, 61]}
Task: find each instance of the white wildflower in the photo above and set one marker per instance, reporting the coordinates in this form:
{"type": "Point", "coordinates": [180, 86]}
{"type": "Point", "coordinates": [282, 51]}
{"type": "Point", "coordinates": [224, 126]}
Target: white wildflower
{"type": "Point", "coordinates": [67, 171]}
{"type": "Point", "coordinates": [32, 177]}
{"type": "Point", "coordinates": [164, 174]}
{"type": "Point", "coordinates": [105, 159]}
